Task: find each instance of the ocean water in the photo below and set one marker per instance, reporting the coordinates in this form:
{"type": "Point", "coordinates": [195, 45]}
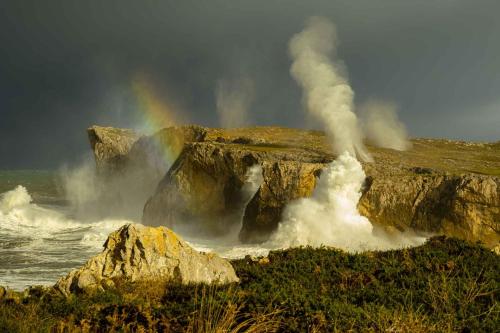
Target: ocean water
{"type": "Point", "coordinates": [41, 240]}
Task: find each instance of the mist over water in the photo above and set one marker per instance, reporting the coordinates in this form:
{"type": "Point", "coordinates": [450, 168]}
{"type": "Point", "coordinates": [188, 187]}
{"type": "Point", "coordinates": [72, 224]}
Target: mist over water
{"type": "Point", "coordinates": [92, 195]}
{"type": "Point", "coordinates": [39, 244]}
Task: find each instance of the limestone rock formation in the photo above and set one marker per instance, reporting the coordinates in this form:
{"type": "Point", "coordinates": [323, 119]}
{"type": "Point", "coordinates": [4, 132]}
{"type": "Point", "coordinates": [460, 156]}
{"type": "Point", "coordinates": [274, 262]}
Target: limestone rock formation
{"type": "Point", "coordinates": [110, 145]}
{"type": "Point", "coordinates": [465, 206]}
{"type": "Point", "coordinates": [439, 186]}
{"type": "Point", "coordinates": [136, 252]}
{"type": "Point", "coordinates": [204, 185]}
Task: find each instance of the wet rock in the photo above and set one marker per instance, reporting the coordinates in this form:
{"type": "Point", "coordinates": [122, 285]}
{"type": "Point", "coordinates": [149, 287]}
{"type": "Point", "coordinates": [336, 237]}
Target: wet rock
{"type": "Point", "coordinates": [205, 185]}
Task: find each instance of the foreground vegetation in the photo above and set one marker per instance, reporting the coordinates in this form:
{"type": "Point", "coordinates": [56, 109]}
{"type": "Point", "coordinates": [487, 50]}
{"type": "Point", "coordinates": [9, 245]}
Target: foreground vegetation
{"type": "Point", "coordinates": [444, 285]}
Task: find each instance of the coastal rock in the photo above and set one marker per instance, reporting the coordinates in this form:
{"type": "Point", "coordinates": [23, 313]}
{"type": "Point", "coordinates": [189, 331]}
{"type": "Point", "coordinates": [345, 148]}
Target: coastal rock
{"type": "Point", "coordinates": [136, 252]}
{"type": "Point", "coordinates": [111, 145]}
{"type": "Point", "coordinates": [204, 186]}
{"type": "Point", "coordinates": [284, 181]}
{"type": "Point", "coordinates": [438, 186]}
{"type": "Point", "coordinates": [464, 206]}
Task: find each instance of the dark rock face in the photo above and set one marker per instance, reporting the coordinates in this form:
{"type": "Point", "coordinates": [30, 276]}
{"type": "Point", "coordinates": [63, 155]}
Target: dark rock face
{"type": "Point", "coordinates": [435, 187]}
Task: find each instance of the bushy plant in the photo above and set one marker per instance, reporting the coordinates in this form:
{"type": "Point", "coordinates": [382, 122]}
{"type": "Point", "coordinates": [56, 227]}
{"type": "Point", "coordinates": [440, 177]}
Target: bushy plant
{"type": "Point", "coordinates": [444, 285]}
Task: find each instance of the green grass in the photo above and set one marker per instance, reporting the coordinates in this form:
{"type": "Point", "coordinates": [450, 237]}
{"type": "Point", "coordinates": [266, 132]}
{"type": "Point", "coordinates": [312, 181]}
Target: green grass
{"type": "Point", "coordinates": [444, 285]}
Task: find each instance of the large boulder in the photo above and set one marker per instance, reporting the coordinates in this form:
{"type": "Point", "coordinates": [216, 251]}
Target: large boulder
{"type": "Point", "coordinates": [136, 252]}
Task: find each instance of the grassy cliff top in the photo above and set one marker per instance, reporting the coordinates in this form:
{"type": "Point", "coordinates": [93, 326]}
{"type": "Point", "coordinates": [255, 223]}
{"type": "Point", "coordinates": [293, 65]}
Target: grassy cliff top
{"type": "Point", "coordinates": [443, 155]}
{"type": "Point", "coordinates": [455, 157]}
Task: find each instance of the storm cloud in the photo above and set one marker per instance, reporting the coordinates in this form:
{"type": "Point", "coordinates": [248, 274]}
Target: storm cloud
{"type": "Point", "coordinates": [65, 65]}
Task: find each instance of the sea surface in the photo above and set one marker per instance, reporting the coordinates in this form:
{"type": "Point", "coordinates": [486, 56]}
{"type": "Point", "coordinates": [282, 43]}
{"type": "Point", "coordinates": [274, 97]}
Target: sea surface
{"type": "Point", "coordinates": [44, 235]}
{"type": "Point", "coordinates": [41, 240]}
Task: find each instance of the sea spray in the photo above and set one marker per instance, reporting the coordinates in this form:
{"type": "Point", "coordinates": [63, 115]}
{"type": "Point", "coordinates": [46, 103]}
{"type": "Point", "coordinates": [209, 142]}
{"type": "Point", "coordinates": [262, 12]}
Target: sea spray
{"type": "Point", "coordinates": [18, 197]}
{"type": "Point", "coordinates": [119, 195]}
{"type": "Point", "coordinates": [327, 94]}
{"type": "Point", "coordinates": [253, 180]}
{"type": "Point", "coordinates": [21, 217]}
{"type": "Point", "coordinates": [381, 125]}
{"type": "Point", "coordinates": [233, 99]}
{"type": "Point", "coordinates": [38, 244]}
{"type": "Point", "coordinates": [330, 216]}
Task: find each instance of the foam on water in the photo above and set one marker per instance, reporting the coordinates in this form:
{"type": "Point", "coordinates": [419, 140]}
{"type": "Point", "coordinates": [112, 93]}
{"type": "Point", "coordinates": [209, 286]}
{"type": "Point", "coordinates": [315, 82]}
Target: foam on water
{"type": "Point", "coordinates": [40, 244]}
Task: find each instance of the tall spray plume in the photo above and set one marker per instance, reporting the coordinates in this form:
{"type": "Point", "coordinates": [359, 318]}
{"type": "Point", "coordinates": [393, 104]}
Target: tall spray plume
{"type": "Point", "coordinates": [381, 125]}
{"type": "Point", "coordinates": [233, 99]}
{"type": "Point", "coordinates": [330, 216]}
{"type": "Point", "coordinates": [326, 91]}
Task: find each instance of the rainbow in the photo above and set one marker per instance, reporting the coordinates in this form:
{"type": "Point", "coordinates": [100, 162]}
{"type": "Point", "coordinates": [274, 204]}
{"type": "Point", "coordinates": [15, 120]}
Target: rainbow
{"type": "Point", "coordinates": [155, 113]}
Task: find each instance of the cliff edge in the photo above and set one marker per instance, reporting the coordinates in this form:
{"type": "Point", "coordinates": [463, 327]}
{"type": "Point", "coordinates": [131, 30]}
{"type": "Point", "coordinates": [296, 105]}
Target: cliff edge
{"type": "Point", "coordinates": [439, 186]}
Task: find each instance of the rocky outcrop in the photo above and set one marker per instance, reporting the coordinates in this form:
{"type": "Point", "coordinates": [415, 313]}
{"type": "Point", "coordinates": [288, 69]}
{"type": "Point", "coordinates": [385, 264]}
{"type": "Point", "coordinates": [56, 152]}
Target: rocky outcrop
{"type": "Point", "coordinates": [204, 186]}
{"type": "Point", "coordinates": [465, 206]}
{"type": "Point", "coordinates": [284, 181]}
{"type": "Point", "coordinates": [439, 186]}
{"type": "Point", "coordinates": [136, 252]}
{"type": "Point", "coordinates": [111, 145]}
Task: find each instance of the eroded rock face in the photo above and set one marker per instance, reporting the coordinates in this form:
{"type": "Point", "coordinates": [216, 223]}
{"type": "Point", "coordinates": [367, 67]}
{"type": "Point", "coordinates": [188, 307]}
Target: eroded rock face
{"type": "Point", "coordinates": [111, 145]}
{"type": "Point", "coordinates": [466, 206]}
{"type": "Point", "coordinates": [434, 187]}
{"type": "Point", "coordinates": [130, 166]}
{"type": "Point", "coordinates": [284, 181]}
{"type": "Point", "coordinates": [204, 185]}
{"type": "Point", "coordinates": [423, 189]}
{"type": "Point", "coordinates": [136, 252]}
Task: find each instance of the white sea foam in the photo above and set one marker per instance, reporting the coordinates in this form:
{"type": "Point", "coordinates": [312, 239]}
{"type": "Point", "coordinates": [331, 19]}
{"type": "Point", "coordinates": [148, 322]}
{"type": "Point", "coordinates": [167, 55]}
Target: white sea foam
{"type": "Point", "coordinates": [330, 216]}
{"type": "Point", "coordinates": [21, 217]}
{"type": "Point", "coordinates": [40, 244]}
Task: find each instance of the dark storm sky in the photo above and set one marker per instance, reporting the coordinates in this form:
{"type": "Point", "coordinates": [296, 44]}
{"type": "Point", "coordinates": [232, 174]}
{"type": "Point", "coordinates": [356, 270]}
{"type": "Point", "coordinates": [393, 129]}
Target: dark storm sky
{"type": "Point", "coordinates": [65, 65]}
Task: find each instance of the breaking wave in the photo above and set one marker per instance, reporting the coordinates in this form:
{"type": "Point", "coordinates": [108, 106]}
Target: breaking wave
{"type": "Point", "coordinates": [330, 217]}
{"type": "Point", "coordinates": [41, 243]}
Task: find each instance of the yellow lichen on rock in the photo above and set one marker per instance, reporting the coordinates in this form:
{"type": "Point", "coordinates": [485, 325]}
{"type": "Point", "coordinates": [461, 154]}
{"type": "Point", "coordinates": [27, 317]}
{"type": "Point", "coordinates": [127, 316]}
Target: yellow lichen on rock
{"type": "Point", "coordinates": [136, 252]}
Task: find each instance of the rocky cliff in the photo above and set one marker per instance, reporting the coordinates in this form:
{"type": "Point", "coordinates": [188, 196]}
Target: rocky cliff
{"type": "Point", "coordinates": [136, 252]}
{"type": "Point", "coordinates": [111, 145]}
{"type": "Point", "coordinates": [438, 186]}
